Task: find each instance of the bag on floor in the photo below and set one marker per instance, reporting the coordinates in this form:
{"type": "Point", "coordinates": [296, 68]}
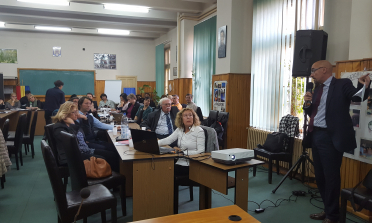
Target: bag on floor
{"type": "Point", "coordinates": [97, 168]}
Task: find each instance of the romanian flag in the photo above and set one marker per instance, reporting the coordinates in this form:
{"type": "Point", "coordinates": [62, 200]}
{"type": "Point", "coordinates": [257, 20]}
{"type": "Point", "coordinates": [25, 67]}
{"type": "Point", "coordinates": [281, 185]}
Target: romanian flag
{"type": "Point", "coordinates": [20, 91]}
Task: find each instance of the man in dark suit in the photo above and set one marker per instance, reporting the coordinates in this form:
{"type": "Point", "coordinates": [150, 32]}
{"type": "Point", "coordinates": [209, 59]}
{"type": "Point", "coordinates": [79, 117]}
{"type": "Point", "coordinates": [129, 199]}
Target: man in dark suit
{"type": "Point", "coordinates": [330, 132]}
{"type": "Point", "coordinates": [162, 121]}
{"type": "Point", "coordinates": [54, 97]}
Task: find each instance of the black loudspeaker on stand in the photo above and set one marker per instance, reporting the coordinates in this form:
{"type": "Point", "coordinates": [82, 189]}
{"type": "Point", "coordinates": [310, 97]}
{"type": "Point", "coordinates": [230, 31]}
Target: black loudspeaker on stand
{"type": "Point", "coordinates": [310, 46]}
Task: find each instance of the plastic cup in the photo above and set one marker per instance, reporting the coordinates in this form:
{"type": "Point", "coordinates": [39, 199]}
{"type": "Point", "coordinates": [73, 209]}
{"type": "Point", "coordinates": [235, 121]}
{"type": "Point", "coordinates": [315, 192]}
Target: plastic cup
{"type": "Point", "coordinates": [115, 130]}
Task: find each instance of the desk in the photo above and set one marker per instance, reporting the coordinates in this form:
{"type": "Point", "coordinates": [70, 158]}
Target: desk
{"type": "Point", "coordinates": [13, 120]}
{"type": "Point", "coordinates": [215, 215]}
{"type": "Point", "coordinates": [211, 175]}
{"type": "Point", "coordinates": [151, 177]}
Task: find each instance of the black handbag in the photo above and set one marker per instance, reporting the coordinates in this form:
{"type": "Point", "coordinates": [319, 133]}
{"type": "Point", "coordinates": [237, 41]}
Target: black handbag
{"type": "Point", "coordinates": [276, 142]}
{"type": "Point", "coordinates": [367, 182]}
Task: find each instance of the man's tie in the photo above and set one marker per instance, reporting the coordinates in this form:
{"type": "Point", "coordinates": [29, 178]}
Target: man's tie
{"type": "Point", "coordinates": [169, 124]}
{"type": "Point", "coordinates": [315, 106]}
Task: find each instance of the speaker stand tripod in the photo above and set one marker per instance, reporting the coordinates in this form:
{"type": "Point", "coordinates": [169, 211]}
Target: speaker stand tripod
{"type": "Point", "coordinates": [301, 162]}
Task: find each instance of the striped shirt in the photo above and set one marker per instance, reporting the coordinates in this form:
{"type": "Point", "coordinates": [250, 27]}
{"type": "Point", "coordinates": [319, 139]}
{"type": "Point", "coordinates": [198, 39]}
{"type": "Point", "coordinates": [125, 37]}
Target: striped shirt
{"type": "Point", "coordinates": [319, 119]}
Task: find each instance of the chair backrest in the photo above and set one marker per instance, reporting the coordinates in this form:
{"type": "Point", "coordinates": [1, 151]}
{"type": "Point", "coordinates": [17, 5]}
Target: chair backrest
{"type": "Point", "coordinates": [28, 121]}
{"type": "Point", "coordinates": [139, 117]}
{"type": "Point", "coordinates": [54, 178]}
{"type": "Point", "coordinates": [223, 118]}
{"type": "Point", "coordinates": [19, 132]}
{"type": "Point", "coordinates": [213, 117]}
{"type": "Point", "coordinates": [33, 126]}
{"type": "Point", "coordinates": [51, 140]}
{"type": "Point", "coordinates": [74, 161]}
{"type": "Point", "coordinates": [200, 114]}
{"type": "Point", "coordinates": [5, 129]}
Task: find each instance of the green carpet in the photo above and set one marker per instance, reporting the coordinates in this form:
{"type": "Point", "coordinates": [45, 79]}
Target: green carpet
{"type": "Point", "coordinates": [28, 197]}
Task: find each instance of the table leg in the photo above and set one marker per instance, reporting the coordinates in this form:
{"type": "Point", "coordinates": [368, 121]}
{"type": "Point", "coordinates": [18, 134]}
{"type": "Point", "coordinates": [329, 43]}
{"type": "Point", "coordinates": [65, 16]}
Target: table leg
{"type": "Point", "coordinates": [153, 182]}
{"type": "Point", "coordinates": [126, 169]}
{"type": "Point", "coordinates": [205, 197]}
{"type": "Point", "coordinates": [241, 188]}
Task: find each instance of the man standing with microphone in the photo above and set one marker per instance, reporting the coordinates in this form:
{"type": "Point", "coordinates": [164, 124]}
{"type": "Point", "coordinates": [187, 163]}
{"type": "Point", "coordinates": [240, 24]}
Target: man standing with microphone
{"type": "Point", "coordinates": [330, 132]}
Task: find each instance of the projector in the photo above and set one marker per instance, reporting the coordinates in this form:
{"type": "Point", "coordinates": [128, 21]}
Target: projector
{"type": "Point", "coordinates": [232, 156]}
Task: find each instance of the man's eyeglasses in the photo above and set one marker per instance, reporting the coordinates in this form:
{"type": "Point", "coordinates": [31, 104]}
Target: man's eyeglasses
{"type": "Point", "coordinates": [168, 104]}
{"type": "Point", "coordinates": [315, 69]}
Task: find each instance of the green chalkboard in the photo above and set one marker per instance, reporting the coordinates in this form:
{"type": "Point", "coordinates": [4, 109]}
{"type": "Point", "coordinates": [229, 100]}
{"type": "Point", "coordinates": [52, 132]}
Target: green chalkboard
{"type": "Point", "coordinates": [75, 81]}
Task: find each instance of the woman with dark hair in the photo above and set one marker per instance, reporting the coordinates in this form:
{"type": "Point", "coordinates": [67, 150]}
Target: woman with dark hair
{"type": "Point", "coordinates": [133, 106]}
{"type": "Point", "coordinates": [123, 103]}
{"type": "Point", "coordinates": [105, 103]}
{"type": "Point", "coordinates": [146, 109]}
{"type": "Point", "coordinates": [75, 100]}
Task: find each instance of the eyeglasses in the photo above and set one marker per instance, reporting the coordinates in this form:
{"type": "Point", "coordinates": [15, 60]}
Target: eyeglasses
{"type": "Point", "coordinates": [188, 116]}
{"type": "Point", "coordinates": [75, 112]}
{"type": "Point", "coordinates": [315, 69]}
{"type": "Point", "coordinates": [168, 104]}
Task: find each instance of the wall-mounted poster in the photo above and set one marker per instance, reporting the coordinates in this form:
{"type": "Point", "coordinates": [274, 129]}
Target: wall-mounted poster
{"type": "Point", "coordinates": [174, 71]}
{"type": "Point", "coordinates": [8, 56]}
{"type": "Point", "coordinates": [105, 61]}
{"type": "Point", "coordinates": [57, 51]}
{"type": "Point", "coordinates": [219, 96]}
{"type": "Point", "coordinates": [222, 41]}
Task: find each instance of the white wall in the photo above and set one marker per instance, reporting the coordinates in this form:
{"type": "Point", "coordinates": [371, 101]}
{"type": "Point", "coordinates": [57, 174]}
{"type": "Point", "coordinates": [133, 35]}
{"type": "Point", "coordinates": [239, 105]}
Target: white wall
{"type": "Point", "coordinates": [360, 30]}
{"type": "Point", "coordinates": [337, 16]}
{"type": "Point", "coordinates": [134, 57]}
{"type": "Point", "coordinates": [187, 47]}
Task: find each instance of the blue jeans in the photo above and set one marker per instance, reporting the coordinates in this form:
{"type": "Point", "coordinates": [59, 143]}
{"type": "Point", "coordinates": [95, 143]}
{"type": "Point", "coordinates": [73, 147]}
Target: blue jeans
{"type": "Point", "coordinates": [327, 164]}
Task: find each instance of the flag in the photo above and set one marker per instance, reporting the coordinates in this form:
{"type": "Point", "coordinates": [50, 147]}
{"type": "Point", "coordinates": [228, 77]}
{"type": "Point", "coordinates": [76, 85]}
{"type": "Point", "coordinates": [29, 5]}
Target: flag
{"type": "Point", "coordinates": [18, 92]}
{"type": "Point", "coordinates": [22, 91]}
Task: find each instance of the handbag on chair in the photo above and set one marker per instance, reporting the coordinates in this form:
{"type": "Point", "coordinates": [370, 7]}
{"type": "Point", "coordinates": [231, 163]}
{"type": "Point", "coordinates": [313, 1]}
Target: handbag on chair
{"type": "Point", "coordinates": [97, 168]}
{"type": "Point", "coordinates": [276, 142]}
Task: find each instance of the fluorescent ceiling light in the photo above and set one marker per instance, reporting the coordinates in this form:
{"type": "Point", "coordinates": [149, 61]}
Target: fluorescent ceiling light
{"type": "Point", "coordinates": [114, 31]}
{"type": "Point", "coordinates": [50, 28]}
{"type": "Point", "coordinates": [2, 24]}
{"type": "Point", "coordinates": [48, 2]}
{"type": "Point", "coordinates": [126, 8]}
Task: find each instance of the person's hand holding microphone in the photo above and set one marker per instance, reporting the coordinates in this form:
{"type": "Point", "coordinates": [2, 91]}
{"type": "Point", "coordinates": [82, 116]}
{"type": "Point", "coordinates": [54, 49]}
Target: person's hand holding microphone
{"type": "Point", "coordinates": [309, 94]}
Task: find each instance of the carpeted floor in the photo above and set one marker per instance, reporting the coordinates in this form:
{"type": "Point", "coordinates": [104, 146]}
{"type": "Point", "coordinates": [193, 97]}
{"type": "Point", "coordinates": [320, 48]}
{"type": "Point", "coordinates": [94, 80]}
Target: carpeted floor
{"type": "Point", "coordinates": [28, 197]}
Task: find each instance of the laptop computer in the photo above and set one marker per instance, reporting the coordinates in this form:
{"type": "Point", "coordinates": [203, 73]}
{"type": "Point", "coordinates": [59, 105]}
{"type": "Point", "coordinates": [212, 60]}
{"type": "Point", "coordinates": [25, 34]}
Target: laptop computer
{"type": "Point", "coordinates": [145, 141]}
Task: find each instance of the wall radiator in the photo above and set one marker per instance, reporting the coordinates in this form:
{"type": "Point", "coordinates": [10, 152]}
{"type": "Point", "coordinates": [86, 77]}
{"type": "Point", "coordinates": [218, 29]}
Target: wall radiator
{"type": "Point", "coordinates": [257, 136]}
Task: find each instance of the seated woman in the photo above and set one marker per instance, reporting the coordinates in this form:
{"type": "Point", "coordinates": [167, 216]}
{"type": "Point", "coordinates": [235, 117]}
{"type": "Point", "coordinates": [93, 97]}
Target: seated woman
{"type": "Point", "coordinates": [75, 100]}
{"type": "Point", "coordinates": [133, 106]}
{"type": "Point", "coordinates": [65, 120]}
{"type": "Point", "coordinates": [123, 105]}
{"type": "Point", "coordinates": [33, 103]}
{"type": "Point", "coordinates": [146, 109]}
{"type": "Point", "coordinates": [13, 102]}
{"type": "Point", "coordinates": [105, 103]}
{"type": "Point", "coordinates": [190, 136]}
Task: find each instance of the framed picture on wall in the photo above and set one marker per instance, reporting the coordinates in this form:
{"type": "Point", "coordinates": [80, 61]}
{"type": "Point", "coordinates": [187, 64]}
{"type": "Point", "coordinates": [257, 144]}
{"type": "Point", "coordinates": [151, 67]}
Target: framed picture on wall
{"type": "Point", "coordinates": [105, 61]}
{"type": "Point", "coordinates": [8, 56]}
{"type": "Point", "coordinates": [222, 34]}
{"type": "Point", "coordinates": [174, 71]}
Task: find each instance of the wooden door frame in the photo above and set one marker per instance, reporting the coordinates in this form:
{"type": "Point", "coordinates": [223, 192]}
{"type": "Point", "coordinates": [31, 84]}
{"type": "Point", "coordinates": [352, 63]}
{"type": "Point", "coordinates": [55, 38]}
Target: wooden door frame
{"type": "Point", "coordinates": [118, 78]}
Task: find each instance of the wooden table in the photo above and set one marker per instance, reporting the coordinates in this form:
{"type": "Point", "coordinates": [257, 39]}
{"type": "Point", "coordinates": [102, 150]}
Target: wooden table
{"type": "Point", "coordinates": [13, 120]}
{"type": "Point", "coordinates": [214, 215]}
{"type": "Point", "coordinates": [211, 175]}
{"type": "Point", "coordinates": [150, 177]}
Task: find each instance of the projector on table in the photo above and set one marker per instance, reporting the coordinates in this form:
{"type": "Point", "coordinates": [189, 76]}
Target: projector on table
{"type": "Point", "coordinates": [232, 156]}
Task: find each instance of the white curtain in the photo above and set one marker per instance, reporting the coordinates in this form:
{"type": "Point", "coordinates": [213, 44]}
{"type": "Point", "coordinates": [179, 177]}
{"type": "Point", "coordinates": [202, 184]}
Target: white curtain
{"type": "Point", "coordinates": [274, 25]}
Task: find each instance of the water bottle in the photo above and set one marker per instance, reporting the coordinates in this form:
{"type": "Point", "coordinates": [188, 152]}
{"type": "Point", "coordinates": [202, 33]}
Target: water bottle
{"type": "Point", "coordinates": [124, 127]}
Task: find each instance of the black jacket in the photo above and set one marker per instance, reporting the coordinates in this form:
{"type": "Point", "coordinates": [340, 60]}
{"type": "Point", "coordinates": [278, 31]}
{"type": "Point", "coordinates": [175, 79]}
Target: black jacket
{"type": "Point", "coordinates": [95, 104]}
{"type": "Point", "coordinates": [57, 129]}
{"type": "Point", "coordinates": [88, 128]}
{"type": "Point", "coordinates": [134, 110]}
{"type": "Point", "coordinates": [153, 118]}
{"type": "Point", "coordinates": [54, 97]}
{"type": "Point", "coordinates": [338, 120]}
{"type": "Point", "coordinates": [24, 101]}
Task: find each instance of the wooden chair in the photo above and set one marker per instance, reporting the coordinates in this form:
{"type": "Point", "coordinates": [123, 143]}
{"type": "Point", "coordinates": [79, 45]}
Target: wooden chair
{"type": "Point", "coordinates": [15, 147]}
{"type": "Point", "coordinates": [26, 134]}
{"type": "Point", "coordinates": [78, 175]}
{"type": "Point", "coordinates": [63, 169]}
{"type": "Point", "coordinates": [68, 203]}
{"type": "Point", "coordinates": [5, 130]}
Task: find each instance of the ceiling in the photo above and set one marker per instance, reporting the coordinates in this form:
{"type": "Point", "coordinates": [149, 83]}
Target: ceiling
{"type": "Point", "coordinates": [86, 16]}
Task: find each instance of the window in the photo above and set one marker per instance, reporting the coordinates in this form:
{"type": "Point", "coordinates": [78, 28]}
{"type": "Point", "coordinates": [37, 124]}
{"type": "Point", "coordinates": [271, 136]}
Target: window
{"type": "Point", "coordinates": [166, 69]}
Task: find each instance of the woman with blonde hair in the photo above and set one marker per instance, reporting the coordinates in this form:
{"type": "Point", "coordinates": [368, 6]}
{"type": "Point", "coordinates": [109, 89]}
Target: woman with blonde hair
{"type": "Point", "coordinates": [190, 136]}
{"type": "Point", "coordinates": [65, 120]}
{"type": "Point", "coordinates": [33, 103]}
{"type": "Point", "coordinates": [13, 102]}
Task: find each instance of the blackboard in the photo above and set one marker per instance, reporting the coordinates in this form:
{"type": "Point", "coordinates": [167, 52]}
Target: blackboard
{"type": "Point", "coordinates": [77, 82]}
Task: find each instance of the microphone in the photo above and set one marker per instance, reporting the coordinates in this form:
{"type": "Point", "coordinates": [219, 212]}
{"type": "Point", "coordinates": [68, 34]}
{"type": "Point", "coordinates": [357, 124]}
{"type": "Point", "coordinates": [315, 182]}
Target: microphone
{"type": "Point", "coordinates": [309, 88]}
{"type": "Point", "coordinates": [84, 194]}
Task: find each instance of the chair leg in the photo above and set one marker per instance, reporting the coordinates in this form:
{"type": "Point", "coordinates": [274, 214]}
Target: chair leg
{"type": "Point", "coordinates": [32, 150]}
{"type": "Point", "coordinates": [113, 215]}
{"type": "Point", "coordinates": [270, 170]}
{"type": "Point", "coordinates": [16, 158]}
{"type": "Point", "coordinates": [59, 219]}
{"type": "Point", "coordinates": [85, 220]}
{"type": "Point", "coordinates": [254, 167]}
{"type": "Point", "coordinates": [20, 157]}
{"type": "Point", "coordinates": [103, 216]}
{"type": "Point", "coordinates": [65, 182]}
{"type": "Point", "coordinates": [175, 199]}
{"type": "Point", "coordinates": [191, 193]}
{"type": "Point", "coordinates": [123, 200]}
{"type": "Point", "coordinates": [25, 148]}
{"type": "Point", "coordinates": [277, 167]}
{"type": "Point", "coordinates": [343, 210]}
{"type": "Point", "coordinates": [2, 181]}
